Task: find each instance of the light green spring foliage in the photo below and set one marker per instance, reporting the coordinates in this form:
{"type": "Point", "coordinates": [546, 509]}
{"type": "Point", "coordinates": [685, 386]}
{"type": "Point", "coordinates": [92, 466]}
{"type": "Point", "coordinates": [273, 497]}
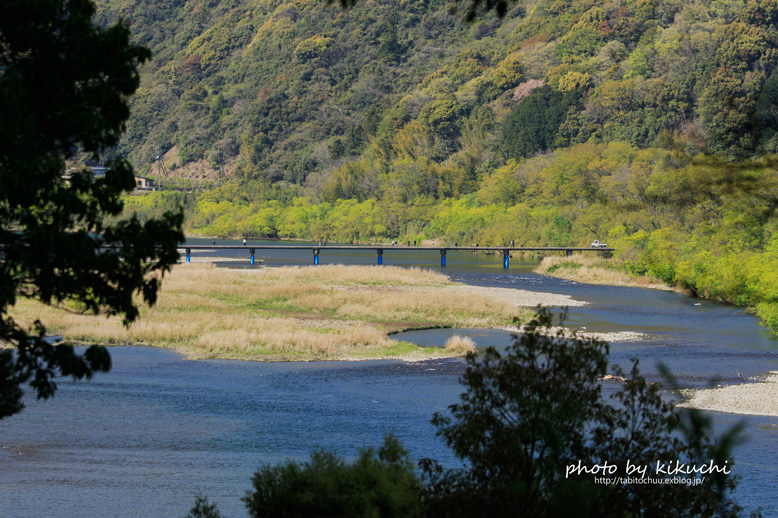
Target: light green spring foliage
{"type": "Point", "coordinates": [399, 121]}
{"type": "Point", "coordinates": [701, 224]}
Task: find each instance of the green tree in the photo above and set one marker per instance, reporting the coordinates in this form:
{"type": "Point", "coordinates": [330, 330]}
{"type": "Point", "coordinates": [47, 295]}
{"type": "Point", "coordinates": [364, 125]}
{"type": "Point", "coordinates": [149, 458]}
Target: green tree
{"type": "Point", "coordinates": [384, 485]}
{"type": "Point", "coordinates": [528, 415]}
{"type": "Point", "coordinates": [64, 85]}
{"type": "Point", "coordinates": [534, 124]}
{"type": "Point", "coordinates": [204, 509]}
{"type": "Point", "coordinates": [312, 48]}
{"type": "Point", "coordinates": [441, 117]}
{"type": "Point", "coordinates": [389, 47]}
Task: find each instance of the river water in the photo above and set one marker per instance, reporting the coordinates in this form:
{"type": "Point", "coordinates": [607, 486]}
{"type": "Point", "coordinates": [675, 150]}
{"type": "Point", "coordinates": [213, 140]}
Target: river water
{"type": "Point", "coordinates": [146, 438]}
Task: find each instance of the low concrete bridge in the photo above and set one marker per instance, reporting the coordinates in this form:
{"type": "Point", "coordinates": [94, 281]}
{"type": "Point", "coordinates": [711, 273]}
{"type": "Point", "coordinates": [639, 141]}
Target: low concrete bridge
{"type": "Point", "coordinates": [505, 251]}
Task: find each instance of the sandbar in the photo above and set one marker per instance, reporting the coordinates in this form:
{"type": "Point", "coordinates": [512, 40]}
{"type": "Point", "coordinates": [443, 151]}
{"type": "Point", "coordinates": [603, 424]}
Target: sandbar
{"type": "Point", "coordinates": [759, 397]}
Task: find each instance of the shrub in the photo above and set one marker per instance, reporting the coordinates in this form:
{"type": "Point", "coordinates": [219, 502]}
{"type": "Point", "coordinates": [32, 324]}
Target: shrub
{"type": "Point", "coordinates": [460, 344]}
{"type": "Point", "coordinates": [375, 485]}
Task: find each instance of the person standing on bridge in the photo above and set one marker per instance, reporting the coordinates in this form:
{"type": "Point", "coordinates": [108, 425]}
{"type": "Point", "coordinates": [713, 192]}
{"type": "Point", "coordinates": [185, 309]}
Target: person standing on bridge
{"type": "Point", "coordinates": [244, 241]}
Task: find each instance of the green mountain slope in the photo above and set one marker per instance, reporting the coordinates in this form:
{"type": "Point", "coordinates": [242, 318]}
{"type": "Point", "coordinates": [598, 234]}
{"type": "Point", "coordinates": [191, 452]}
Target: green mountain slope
{"type": "Point", "coordinates": [283, 90]}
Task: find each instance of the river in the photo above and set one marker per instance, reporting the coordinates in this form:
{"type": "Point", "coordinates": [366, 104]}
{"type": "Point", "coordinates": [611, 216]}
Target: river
{"type": "Point", "coordinates": [146, 438]}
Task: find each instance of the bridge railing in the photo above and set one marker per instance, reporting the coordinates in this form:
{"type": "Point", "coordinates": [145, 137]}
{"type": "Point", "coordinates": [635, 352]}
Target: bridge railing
{"type": "Point", "coordinates": [506, 251]}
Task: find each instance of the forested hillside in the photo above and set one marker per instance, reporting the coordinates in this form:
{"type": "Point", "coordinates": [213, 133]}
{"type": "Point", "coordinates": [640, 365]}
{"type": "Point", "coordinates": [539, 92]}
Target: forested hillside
{"type": "Point", "coordinates": [286, 90]}
{"type": "Point", "coordinates": [648, 123]}
{"type": "Point", "coordinates": [283, 90]}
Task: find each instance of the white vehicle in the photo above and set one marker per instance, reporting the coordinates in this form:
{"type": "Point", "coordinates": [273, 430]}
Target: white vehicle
{"type": "Point", "coordinates": [596, 244]}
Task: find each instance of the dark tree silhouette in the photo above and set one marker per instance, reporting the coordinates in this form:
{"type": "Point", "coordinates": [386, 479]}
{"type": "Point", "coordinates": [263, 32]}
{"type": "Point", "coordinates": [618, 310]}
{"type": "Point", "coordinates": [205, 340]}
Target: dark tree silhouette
{"type": "Point", "coordinates": [64, 85]}
{"type": "Point", "coordinates": [382, 484]}
{"type": "Point", "coordinates": [530, 414]}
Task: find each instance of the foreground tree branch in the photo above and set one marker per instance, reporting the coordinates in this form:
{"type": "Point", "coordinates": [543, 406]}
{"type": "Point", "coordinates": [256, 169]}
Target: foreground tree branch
{"type": "Point", "coordinates": [64, 85]}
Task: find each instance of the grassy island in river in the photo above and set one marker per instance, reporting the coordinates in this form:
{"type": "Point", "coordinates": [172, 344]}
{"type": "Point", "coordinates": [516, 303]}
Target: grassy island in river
{"type": "Point", "coordinates": [331, 312]}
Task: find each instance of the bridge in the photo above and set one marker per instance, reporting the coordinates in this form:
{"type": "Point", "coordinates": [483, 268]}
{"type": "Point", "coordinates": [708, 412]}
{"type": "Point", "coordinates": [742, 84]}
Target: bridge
{"type": "Point", "coordinates": [317, 250]}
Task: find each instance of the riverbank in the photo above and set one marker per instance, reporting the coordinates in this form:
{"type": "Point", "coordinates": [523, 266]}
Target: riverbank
{"type": "Point", "coordinates": [755, 398]}
{"type": "Point", "coordinates": [330, 312]}
{"type": "Point", "coordinates": [592, 269]}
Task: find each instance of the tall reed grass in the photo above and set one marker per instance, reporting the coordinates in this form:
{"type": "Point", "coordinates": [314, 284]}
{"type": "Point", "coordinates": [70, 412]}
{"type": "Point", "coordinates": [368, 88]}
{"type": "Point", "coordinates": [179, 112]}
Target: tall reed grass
{"type": "Point", "coordinates": [594, 269]}
{"type": "Point", "coordinates": [310, 313]}
{"type": "Point", "coordinates": [460, 345]}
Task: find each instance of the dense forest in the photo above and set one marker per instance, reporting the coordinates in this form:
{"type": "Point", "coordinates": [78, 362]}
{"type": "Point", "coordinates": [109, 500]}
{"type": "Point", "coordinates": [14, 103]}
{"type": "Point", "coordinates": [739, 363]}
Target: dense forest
{"type": "Point", "coordinates": [284, 91]}
{"type": "Point", "coordinates": [650, 124]}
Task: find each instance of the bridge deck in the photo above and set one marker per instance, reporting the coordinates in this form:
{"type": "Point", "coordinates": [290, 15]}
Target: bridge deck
{"type": "Point", "coordinates": [390, 247]}
{"type": "Point", "coordinates": [379, 249]}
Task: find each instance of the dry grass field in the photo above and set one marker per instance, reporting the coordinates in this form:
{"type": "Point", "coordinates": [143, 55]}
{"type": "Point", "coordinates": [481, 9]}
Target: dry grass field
{"type": "Point", "coordinates": [309, 313]}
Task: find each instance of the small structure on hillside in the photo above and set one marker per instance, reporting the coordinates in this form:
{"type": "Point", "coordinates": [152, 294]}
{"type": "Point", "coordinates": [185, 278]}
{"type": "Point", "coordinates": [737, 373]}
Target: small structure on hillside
{"type": "Point", "coordinates": [143, 183]}
{"type": "Point", "coordinates": [98, 169]}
